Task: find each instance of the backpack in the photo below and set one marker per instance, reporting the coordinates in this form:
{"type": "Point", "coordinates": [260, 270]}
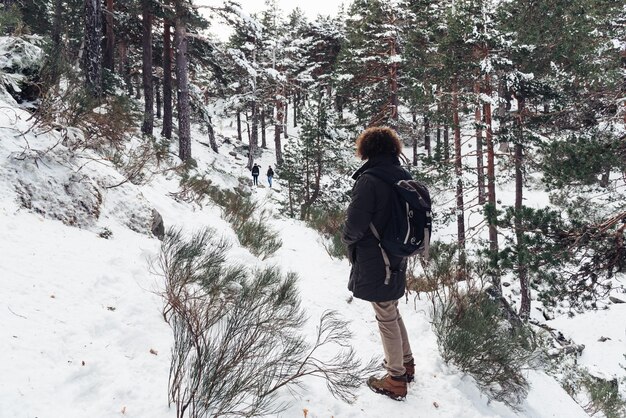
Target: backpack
{"type": "Point", "coordinates": [409, 229]}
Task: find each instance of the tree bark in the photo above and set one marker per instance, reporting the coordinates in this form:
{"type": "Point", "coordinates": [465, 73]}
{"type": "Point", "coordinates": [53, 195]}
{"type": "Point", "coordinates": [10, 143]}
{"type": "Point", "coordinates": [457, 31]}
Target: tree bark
{"type": "Point", "coordinates": [123, 67]}
{"type": "Point", "coordinates": [248, 129]}
{"type": "Point", "coordinates": [263, 133]}
{"type": "Point", "coordinates": [480, 165]}
{"type": "Point", "coordinates": [148, 87]}
{"type": "Point", "coordinates": [393, 80]}
{"type": "Point", "coordinates": [427, 135]}
{"type": "Point", "coordinates": [296, 96]}
{"type": "Point", "coordinates": [239, 138]}
{"type": "Point", "coordinates": [167, 79]}
{"type": "Point", "coordinates": [182, 78]}
{"type": "Point", "coordinates": [414, 116]}
{"type": "Point", "coordinates": [211, 131]}
{"type": "Point", "coordinates": [458, 171]}
{"type": "Point", "coordinates": [56, 25]}
{"type": "Point", "coordinates": [491, 190]}
{"type": "Point", "coordinates": [138, 89]}
{"type": "Point", "coordinates": [254, 134]}
{"type": "Point", "coordinates": [57, 45]}
{"type": "Point", "coordinates": [438, 144]}
{"type": "Point", "coordinates": [503, 106]}
{"type": "Point", "coordinates": [278, 125]}
{"type": "Point", "coordinates": [446, 143]}
{"type": "Point", "coordinates": [109, 50]}
{"type": "Point", "coordinates": [93, 56]}
{"type": "Point", "coordinates": [285, 134]}
{"type": "Point", "coordinates": [157, 92]}
{"type": "Point", "coordinates": [522, 271]}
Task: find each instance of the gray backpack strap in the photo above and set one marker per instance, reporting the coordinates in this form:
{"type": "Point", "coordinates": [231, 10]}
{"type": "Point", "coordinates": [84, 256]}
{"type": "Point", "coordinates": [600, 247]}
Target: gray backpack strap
{"type": "Point", "coordinates": [384, 253]}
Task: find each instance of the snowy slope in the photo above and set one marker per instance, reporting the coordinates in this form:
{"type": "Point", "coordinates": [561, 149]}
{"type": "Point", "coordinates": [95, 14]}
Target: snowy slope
{"type": "Point", "coordinates": [82, 333]}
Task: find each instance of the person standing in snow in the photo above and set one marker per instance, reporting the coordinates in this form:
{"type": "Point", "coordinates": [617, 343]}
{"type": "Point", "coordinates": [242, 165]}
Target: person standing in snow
{"type": "Point", "coordinates": [270, 175]}
{"type": "Point", "coordinates": [371, 196]}
{"type": "Point", "coordinates": [255, 174]}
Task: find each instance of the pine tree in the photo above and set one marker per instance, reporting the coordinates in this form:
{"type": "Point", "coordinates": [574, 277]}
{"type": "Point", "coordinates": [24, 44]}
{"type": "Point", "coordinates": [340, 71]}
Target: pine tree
{"type": "Point", "coordinates": [370, 61]}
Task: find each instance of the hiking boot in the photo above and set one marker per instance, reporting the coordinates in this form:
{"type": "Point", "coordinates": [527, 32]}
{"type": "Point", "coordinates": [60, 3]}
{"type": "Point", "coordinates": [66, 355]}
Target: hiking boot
{"type": "Point", "coordinates": [409, 367]}
{"type": "Point", "coordinates": [392, 386]}
{"type": "Point", "coordinates": [410, 371]}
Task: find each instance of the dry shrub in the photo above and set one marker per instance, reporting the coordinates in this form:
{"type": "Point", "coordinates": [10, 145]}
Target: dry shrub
{"type": "Point", "coordinates": [237, 334]}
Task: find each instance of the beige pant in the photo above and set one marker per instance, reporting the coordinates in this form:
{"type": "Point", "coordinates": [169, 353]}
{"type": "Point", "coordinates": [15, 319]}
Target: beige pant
{"type": "Point", "coordinates": [394, 337]}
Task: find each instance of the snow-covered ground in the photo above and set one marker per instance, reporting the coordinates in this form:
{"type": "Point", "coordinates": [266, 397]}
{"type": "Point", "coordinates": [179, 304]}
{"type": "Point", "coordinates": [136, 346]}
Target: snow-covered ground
{"type": "Point", "coordinates": [82, 330]}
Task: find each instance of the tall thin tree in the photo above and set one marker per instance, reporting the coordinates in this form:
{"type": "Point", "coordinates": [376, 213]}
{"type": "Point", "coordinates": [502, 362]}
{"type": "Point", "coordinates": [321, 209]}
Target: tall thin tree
{"type": "Point", "coordinates": [167, 76]}
{"type": "Point", "coordinates": [92, 58]}
{"type": "Point", "coordinates": [182, 78]}
{"type": "Point", "coordinates": [458, 171]}
{"type": "Point", "coordinates": [109, 46]}
{"type": "Point", "coordinates": [148, 85]}
{"type": "Point", "coordinates": [491, 187]}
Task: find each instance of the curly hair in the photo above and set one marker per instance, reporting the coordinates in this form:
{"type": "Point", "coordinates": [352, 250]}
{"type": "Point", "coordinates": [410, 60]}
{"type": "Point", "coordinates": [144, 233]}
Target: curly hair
{"type": "Point", "coordinates": [378, 140]}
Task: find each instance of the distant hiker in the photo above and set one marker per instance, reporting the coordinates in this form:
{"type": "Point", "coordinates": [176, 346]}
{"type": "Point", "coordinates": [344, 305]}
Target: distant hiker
{"type": "Point", "coordinates": [270, 175]}
{"type": "Point", "coordinates": [370, 278]}
{"type": "Point", "coordinates": [255, 174]}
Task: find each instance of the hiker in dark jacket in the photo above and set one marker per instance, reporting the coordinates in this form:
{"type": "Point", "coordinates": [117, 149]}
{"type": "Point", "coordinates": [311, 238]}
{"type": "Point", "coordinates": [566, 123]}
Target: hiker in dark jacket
{"type": "Point", "coordinates": [255, 174]}
{"type": "Point", "coordinates": [270, 175]}
{"type": "Point", "coordinates": [380, 148]}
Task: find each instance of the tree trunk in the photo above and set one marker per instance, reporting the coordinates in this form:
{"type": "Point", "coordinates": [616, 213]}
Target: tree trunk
{"type": "Point", "coordinates": [211, 131]}
{"type": "Point", "coordinates": [296, 96]}
{"type": "Point", "coordinates": [148, 88]}
{"type": "Point", "coordinates": [438, 144]}
{"type": "Point", "coordinates": [254, 134]}
{"type": "Point", "coordinates": [458, 171]}
{"type": "Point", "coordinates": [57, 45]}
{"type": "Point", "coordinates": [503, 106]}
{"type": "Point", "coordinates": [184, 122]}
{"type": "Point", "coordinates": [278, 130]}
{"type": "Point", "coordinates": [285, 134]}
{"type": "Point", "coordinates": [414, 115]}
{"type": "Point", "coordinates": [138, 89]}
{"type": "Point", "coordinates": [480, 165]}
{"type": "Point", "coordinates": [123, 67]}
{"type": "Point", "coordinates": [167, 79]}
{"type": "Point", "coordinates": [446, 143]}
{"type": "Point", "coordinates": [239, 126]}
{"type": "Point", "coordinates": [522, 272]}
{"type": "Point", "coordinates": [248, 129]}
{"type": "Point", "coordinates": [56, 26]}
{"type": "Point", "coordinates": [263, 133]}
{"type": "Point", "coordinates": [109, 50]}
{"type": "Point", "coordinates": [157, 91]}
{"type": "Point", "coordinates": [93, 56]}
{"type": "Point", "coordinates": [427, 135]}
{"type": "Point", "coordinates": [491, 191]}
{"type": "Point", "coordinates": [393, 82]}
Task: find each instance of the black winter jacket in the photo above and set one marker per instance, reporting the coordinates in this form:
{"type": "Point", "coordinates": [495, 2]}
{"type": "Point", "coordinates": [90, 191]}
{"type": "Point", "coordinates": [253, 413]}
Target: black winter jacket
{"type": "Point", "coordinates": [371, 203]}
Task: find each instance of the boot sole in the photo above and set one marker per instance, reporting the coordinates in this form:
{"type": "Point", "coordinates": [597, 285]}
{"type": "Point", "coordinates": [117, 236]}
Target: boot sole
{"type": "Point", "coordinates": [387, 393]}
